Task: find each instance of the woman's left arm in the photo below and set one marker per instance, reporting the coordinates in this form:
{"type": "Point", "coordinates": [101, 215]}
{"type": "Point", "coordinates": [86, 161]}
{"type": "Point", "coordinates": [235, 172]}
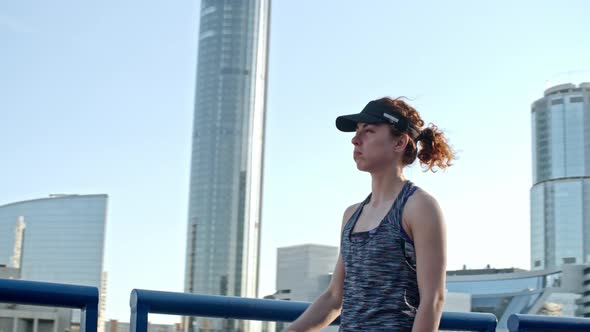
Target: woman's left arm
{"type": "Point", "coordinates": [427, 228]}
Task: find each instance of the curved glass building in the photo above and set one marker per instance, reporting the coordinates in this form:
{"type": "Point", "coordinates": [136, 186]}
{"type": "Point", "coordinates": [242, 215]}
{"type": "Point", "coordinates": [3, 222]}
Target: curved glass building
{"type": "Point", "coordinates": [62, 238]}
{"type": "Point", "coordinates": [560, 196]}
{"type": "Point", "coordinates": [227, 153]}
{"type": "Point", "coordinates": [57, 239]}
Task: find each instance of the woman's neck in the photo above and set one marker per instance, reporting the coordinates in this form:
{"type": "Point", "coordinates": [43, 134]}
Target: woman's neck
{"type": "Point", "coordinates": [386, 185]}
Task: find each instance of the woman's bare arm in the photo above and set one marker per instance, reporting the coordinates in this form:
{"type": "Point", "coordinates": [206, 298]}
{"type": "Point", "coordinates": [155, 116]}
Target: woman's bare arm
{"type": "Point", "coordinates": [327, 306]}
{"type": "Point", "coordinates": [427, 227]}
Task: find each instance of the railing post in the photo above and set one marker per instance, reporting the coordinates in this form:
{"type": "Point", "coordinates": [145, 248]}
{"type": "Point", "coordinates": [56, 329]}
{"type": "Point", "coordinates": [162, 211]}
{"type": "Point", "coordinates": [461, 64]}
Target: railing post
{"type": "Point", "coordinates": [89, 319]}
{"type": "Point", "coordinates": [139, 314]}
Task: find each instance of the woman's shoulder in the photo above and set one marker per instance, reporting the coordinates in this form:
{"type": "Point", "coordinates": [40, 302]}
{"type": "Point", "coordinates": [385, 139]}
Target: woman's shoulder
{"type": "Point", "coordinates": [349, 212]}
{"type": "Point", "coordinates": [421, 204]}
{"type": "Point", "coordinates": [420, 196]}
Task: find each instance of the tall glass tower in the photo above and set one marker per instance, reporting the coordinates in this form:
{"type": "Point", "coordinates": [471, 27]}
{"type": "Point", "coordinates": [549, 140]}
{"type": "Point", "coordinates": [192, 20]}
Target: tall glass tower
{"type": "Point", "coordinates": [227, 154]}
{"type": "Point", "coordinates": [560, 196]}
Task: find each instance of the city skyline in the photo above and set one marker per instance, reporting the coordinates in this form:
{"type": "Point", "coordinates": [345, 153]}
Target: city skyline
{"type": "Point", "coordinates": [101, 100]}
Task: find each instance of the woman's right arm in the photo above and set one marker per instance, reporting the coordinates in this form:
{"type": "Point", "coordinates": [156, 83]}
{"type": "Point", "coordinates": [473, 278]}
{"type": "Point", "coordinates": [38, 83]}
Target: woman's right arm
{"type": "Point", "coordinates": [327, 306]}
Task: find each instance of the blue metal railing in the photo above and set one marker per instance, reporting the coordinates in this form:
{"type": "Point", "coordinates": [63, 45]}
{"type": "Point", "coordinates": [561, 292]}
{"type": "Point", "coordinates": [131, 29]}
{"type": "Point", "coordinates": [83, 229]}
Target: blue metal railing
{"type": "Point", "coordinates": [537, 323]}
{"type": "Point", "coordinates": [468, 321]}
{"type": "Point", "coordinates": [143, 302]}
{"type": "Point", "coordinates": [54, 295]}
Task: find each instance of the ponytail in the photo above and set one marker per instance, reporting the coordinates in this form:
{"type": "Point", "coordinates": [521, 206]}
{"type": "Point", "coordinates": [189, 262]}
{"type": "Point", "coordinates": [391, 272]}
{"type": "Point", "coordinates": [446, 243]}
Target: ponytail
{"type": "Point", "coordinates": [434, 151]}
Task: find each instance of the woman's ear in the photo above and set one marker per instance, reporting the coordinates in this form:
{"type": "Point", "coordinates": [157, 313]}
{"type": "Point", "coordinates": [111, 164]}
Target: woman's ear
{"type": "Point", "coordinates": [400, 143]}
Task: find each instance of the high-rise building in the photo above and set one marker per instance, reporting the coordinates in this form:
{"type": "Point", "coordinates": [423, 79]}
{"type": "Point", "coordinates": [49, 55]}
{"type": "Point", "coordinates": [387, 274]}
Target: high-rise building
{"type": "Point", "coordinates": [227, 153]}
{"type": "Point", "coordinates": [102, 309]}
{"type": "Point", "coordinates": [560, 195]}
{"type": "Point", "coordinates": [56, 239]}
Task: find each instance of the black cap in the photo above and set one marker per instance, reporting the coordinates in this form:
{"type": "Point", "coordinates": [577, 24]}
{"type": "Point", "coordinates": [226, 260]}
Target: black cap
{"type": "Point", "coordinates": [375, 112]}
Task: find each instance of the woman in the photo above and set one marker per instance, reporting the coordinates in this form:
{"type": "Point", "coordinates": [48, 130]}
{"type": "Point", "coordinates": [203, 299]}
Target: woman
{"type": "Point", "coordinates": [390, 274]}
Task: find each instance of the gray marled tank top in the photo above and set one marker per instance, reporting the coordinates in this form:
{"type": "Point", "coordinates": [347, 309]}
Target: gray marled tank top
{"type": "Point", "coordinates": [380, 285]}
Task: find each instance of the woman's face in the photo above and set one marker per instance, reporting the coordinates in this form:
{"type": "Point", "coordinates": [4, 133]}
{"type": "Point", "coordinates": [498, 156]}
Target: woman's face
{"type": "Point", "coordinates": [375, 148]}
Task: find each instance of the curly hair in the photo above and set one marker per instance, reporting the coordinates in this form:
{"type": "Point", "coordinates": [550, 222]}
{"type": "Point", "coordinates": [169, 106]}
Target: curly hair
{"type": "Point", "coordinates": [431, 147]}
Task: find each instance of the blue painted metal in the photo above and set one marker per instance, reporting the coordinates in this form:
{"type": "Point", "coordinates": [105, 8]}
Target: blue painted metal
{"type": "Point", "coordinates": [538, 323]}
{"type": "Point", "coordinates": [143, 302]}
{"type": "Point", "coordinates": [55, 295]}
{"type": "Point", "coordinates": [468, 321]}
{"type": "Point", "coordinates": [158, 302]}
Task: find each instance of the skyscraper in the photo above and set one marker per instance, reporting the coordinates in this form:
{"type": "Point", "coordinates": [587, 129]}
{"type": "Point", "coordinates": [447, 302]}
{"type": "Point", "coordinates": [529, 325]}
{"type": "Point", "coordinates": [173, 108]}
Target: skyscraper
{"type": "Point", "coordinates": [560, 196]}
{"type": "Point", "coordinates": [227, 154]}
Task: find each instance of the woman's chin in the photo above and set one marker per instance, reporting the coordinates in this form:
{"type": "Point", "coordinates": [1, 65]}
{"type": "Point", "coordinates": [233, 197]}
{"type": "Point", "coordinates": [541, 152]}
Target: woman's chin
{"type": "Point", "coordinates": [361, 167]}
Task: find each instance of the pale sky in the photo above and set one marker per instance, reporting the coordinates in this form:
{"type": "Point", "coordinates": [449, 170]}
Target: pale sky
{"type": "Point", "coordinates": [97, 97]}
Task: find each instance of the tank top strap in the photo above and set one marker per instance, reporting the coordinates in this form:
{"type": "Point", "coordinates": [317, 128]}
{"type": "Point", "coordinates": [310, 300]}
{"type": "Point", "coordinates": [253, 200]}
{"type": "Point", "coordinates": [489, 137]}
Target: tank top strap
{"type": "Point", "coordinates": [396, 213]}
{"type": "Point", "coordinates": [353, 218]}
{"type": "Point", "coordinates": [398, 207]}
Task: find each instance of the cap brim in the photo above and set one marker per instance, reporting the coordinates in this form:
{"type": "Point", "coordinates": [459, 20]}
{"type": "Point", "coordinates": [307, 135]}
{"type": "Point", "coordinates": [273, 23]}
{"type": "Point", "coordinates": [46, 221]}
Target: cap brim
{"type": "Point", "coordinates": [347, 123]}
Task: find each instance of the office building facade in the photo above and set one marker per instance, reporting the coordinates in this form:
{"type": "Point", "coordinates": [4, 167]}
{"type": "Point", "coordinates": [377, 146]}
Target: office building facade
{"type": "Point", "coordinates": [560, 195]}
{"type": "Point", "coordinates": [63, 238]}
{"type": "Point", "coordinates": [304, 271]}
{"type": "Point", "coordinates": [57, 239]}
{"type": "Point", "coordinates": [223, 231]}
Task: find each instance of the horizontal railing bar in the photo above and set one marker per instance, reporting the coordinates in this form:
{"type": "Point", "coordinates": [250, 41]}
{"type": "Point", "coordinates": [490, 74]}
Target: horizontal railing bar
{"type": "Point", "coordinates": [216, 306]}
{"type": "Point", "coordinates": [47, 293]}
{"type": "Point", "coordinates": [534, 323]}
{"type": "Point", "coordinates": [187, 304]}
